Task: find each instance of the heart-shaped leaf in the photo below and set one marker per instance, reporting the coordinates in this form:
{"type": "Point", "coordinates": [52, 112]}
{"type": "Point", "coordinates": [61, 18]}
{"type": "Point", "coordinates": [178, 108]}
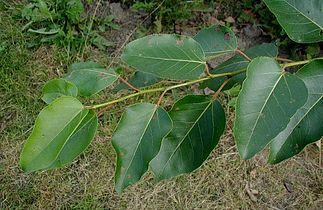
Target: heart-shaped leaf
{"type": "Point", "coordinates": [139, 80]}
{"type": "Point", "coordinates": [237, 63]}
{"type": "Point", "coordinates": [198, 123]}
{"type": "Point", "coordinates": [137, 140]}
{"type": "Point", "coordinates": [90, 77]}
{"type": "Point", "coordinates": [54, 129]}
{"type": "Point", "coordinates": [56, 88]}
{"type": "Point", "coordinates": [302, 20]}
{"type": "Point", "coordinates": [306, 125]}
{"type": "Point", "coordinates": [217, 40]}
{"type": "Point", "coordinates": [166, 56]}
{"type": "Point", "coordinates": [268, 99]}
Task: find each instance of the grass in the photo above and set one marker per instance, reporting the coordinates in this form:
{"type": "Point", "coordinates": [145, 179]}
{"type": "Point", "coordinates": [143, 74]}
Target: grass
{"type": "Point", "coordinates": [88, 182]}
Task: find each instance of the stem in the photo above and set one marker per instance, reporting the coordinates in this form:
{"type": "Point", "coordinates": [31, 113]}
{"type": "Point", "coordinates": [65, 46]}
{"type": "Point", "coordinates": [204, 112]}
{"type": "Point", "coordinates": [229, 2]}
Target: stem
{"type": "Point", "coordinates": [165, 89]}
{"type": "Point", "coordinates": [244, 55]}
{"type": "Point", "coordinates": [211, 76]}
{"type": "Point", "coordinates": [182, 85]}
{"type": "Point", "coordinates": [216, 94]}
{"type": "Point", "coordinates": [124, 98]}
{"type": "Point", "coordinates": [297, 63]}
{"type": "Point", "coordinates": [207, 69]}
{"type": "Point", "coordinates": [101, 112]}
{"type": "Point", "coordinates": [129, 85]}
{"type": "Point", "coordinates": [284, 59]}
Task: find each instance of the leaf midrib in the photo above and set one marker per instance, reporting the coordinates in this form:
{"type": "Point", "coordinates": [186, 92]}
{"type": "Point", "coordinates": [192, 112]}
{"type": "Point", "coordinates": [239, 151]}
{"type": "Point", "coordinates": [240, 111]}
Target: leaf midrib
{"type": "Point", "coordinates": [304, 15]}
{"type": "Point", "coordinates": [261, 110]}
{"type": "Point", "coordinates": [95, 71]}
{"type": "Point", "coordinates": [169, 59]}
{"type": "Point", "coordinates": [58, 134]}
{"type": "Point", "coordinates": [73, 133]}
{"type": "Point", "coordinates": [139, 142]}
{"type": "Point", "coordinates": [301, 119]}
{"type": "Point", "coordinates": [184, 137]}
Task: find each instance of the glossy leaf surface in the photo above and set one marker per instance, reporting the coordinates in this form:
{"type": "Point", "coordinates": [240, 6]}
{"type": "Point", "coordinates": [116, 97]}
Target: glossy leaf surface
{"type": "Point", "coordinates": [137, 140]}
{"type": "Point", "coordinates": [54, 126]}
{"type": "Point", "coordinates": [90, 77]}
{"type": "Point", "coordinates": [78, 141]}
{"type": "Point", "coordinates": [237, 63]}
{"type": "Point", "coordinates": [306, 126]}
{"type": "Point", "coordinates": [268, 99]}
{"type": "Point", "coordinates": [139, 80]}
{"type": "Point", "coordinates": [302, 20]}
{"type": "Point", "coordinates": [166, 56]}
{"type": "Point", "coordinates": [56, 88]}
{"type": "Point", "coordinates": [217, 40]}
{"type": "Point", "coordinates": [198, 123]}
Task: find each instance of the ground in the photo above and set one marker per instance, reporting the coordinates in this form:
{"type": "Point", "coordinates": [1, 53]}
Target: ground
{"type": "Point", "coordinates": [224, 181]}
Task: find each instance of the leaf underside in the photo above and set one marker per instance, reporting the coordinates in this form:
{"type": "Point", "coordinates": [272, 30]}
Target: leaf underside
{"type": "Point", "coordinates": [137, 140]}
{"type": "Point", "coordinates": [90, 77]}
{"type": "Point", "coordinates": [306, 124]}
{"type": "Point", "coordinates": [53, 130]}
{"type": "Point", "coordinates": [268, 99]}
{"type": "Point", "coordinates": [166, 56]}
{"type": "Point", "coordinates": [198, 123]}
{"type": "Point", "coordinates": [301, 19]}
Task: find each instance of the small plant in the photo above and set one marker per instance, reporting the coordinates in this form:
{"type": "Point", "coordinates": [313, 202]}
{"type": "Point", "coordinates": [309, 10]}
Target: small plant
{"type": "Point", "coordinates": [168, 13]}
{"type": "Point", "coordinates": [60, 22]}
{"type": "Point", "coordinates": [274, 108]}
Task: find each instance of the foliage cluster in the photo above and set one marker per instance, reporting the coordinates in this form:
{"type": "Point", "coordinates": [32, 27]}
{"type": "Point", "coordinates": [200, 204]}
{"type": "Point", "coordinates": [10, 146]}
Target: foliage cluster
{"type": "Point", "coordinates": [256, 12]}
{"type": "Point", "coordinates": [274, 108]}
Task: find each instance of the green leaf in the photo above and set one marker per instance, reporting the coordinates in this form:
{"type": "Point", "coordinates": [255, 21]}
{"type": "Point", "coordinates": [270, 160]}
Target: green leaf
{"type": "Point", "coordinates": [237, 63]}
{"type": "Point", "coordinates": [74, 9]}
{"type": "Point", "coordinates": [78, 142]}
{"type": "Point", "coordinates": [302, 20]}
{"type": "Point", "coordinates": [234, 91]}
{"type": "Point", "coordinates": [139, 80]}
{"type": "Point", "coordinates": [166, 56]}
{"type": "Point", "coordinates": [56, 88]}
{"type": "Point", "coordinates": [306, 125]}
{"type": "Point", "coordinates": [268, 99]}
{"type": "Point", "coordinates": [217, 40]}
{"type": "Point", "coordinates": [137, 140]}
{"type": "Point", "coordinates": [90, 77]}
{"type": "Point", "coordinates": [198, 123]}
{"type": "Point", "coordinates": [101, 42]}
{"type": "Point", "coordinates": [44, 31]}
{"type": "Point", "coordinates": [53, 128]}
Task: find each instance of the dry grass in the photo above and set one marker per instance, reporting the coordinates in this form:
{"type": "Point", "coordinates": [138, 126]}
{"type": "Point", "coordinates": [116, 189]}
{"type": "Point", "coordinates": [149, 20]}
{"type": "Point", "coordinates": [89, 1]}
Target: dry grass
{"type": "Point", "coordinates": [218, 184]}
{"type": "Point", "coordinates": [88, 183]}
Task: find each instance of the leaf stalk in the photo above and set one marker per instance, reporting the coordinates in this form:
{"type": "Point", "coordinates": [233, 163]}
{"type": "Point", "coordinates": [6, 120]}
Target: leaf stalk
{"type": "Point", "coordinates": [164, 89]}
